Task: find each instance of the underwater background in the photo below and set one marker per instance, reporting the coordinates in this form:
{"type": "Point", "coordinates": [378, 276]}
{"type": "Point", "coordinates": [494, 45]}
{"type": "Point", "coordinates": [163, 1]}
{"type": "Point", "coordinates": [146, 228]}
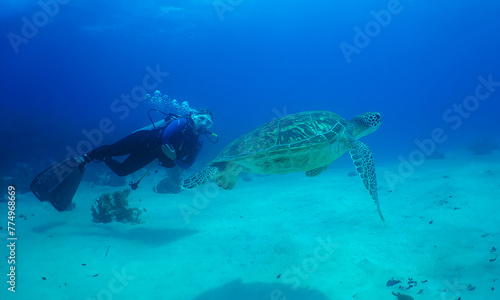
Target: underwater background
{"type": "Point", "coordinates": [247, 61]}
{"type": "Point", "coordinates": [430, 68]}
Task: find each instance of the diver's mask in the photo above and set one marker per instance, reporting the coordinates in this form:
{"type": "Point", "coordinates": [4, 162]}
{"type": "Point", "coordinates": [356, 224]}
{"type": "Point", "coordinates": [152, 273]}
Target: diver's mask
{"type": "Point", "coordinates": [202, 121]}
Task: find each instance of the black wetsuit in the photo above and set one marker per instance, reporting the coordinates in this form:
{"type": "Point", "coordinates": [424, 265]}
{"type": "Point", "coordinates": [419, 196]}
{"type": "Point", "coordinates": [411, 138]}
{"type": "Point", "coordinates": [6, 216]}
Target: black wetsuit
{"type": "Point", "coordinates": [144, 146]}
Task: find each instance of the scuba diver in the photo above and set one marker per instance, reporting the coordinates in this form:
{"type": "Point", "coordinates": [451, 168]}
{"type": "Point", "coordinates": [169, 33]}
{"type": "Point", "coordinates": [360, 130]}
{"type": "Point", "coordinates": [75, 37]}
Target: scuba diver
{"type": "Point", "coordinates": [173, 141]}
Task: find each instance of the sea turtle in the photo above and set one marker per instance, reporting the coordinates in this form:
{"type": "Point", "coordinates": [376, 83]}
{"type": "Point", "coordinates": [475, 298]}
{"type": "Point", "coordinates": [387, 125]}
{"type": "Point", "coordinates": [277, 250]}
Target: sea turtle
{"type": "Point", "coordinates": [303, 142]}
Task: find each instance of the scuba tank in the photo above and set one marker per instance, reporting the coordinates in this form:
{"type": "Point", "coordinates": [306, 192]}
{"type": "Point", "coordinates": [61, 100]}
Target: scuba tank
{"type": "Point", "coordinates": [212, 137]}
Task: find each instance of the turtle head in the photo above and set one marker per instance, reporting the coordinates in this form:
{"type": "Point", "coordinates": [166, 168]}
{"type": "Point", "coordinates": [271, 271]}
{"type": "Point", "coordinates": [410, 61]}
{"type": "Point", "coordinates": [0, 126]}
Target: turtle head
{"type": "Point", "coordinates": [366, 123]}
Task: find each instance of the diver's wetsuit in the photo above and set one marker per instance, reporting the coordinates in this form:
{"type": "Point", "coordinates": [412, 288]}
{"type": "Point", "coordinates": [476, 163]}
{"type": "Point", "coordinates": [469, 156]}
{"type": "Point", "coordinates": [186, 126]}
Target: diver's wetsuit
{"type": "Point", "coordinates": [144, 146]}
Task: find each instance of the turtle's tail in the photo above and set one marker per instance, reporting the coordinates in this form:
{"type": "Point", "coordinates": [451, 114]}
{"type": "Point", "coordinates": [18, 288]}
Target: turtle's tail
{"type": "Point", "coordinates": [200, 178]}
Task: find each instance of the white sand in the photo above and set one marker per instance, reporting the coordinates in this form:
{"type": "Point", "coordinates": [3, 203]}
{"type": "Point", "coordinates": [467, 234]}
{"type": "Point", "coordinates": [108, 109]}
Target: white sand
{"type": "Point", "coordinates": [274, 225]}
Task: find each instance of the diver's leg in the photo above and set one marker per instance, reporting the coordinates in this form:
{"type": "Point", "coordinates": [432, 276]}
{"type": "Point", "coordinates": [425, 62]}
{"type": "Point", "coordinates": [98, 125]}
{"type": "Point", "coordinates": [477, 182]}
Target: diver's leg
{"type": "Point", "coordinates": [134, 162]}
{"type": "Point", "coordinates": [127, 145]}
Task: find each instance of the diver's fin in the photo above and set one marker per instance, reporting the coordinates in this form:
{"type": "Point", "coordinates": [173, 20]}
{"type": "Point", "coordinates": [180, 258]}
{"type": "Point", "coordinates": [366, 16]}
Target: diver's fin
{"type": "Point", "coordinates": [58, 184]}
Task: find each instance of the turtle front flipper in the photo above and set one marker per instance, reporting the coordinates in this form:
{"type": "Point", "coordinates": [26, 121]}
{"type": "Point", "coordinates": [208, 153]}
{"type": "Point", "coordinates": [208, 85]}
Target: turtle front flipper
{"type": "Point", "coordinates": [363, 161]}
{"type": "Point", "coordinates": [201, 177]}
{"type": "Point", "coordinates": [227, 177]}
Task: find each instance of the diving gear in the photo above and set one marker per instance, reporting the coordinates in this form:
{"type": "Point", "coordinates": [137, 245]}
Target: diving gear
{"type": "Point", "coordinates": [135, 185]}
{"type": "Point", "coordinates": [214, 135]}
{"type": "Point", "coordinates": [202, 121]}
{"type": "Point", "coordinates": [58, 184]}
{"type": "Point", "coordinates": [204, 111]}
{"type": "Point", "coordinates": [87, 158]}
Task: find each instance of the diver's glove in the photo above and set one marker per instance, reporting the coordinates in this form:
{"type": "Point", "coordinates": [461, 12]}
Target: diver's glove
{"type": "Point", "coordinates": [168, 151]}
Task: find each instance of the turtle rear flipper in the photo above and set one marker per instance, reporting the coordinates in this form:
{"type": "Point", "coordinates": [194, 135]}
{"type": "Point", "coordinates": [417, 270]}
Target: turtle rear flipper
{"type": "Point", "coordinates": [317, 171]}
{"type": "Point", "coordinates": [200, 177]}
{"type": "Point", "coordinates": [363, 161]}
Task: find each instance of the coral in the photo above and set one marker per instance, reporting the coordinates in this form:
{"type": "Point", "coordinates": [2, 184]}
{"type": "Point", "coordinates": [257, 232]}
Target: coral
{"type": "Point", "coordinates": [102, 209]}
{"type": "Point", "coordinates": [115, 206]}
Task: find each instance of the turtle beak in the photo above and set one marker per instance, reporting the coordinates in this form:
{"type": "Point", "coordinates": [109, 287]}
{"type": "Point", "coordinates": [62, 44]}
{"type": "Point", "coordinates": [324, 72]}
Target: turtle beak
{"type": "Point", "coordinates": [378, 120]}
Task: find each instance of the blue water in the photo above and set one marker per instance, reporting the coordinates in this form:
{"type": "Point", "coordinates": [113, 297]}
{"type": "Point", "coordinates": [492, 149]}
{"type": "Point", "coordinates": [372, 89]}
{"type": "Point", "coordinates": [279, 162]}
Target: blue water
{"type": "Point", "coordinates": [63, 65]}
{"type": "Point", "coordinates": [247, 63]}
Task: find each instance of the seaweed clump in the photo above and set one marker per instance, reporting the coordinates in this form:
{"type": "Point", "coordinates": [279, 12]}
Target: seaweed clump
{"type": "Point", "coordinates": [115, 206]}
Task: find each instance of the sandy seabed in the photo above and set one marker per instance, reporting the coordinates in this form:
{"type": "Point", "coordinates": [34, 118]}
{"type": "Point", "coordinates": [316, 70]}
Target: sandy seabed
{"type": "Point", "coordinates": [275, 237]}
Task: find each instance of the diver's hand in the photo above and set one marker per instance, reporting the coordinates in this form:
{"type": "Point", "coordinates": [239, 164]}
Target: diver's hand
{"type": "Point", "coordinates": [169, 151]}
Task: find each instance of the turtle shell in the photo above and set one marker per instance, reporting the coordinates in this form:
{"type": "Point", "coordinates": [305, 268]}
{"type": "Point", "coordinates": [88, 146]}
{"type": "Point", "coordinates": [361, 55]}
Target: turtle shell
{"type": "Point", "coordinates": [287, 136]}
